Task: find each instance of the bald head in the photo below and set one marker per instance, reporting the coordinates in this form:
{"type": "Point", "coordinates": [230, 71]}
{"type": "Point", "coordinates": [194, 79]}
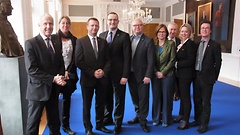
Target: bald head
{"type": "Point", "coordinates": [137, 27]}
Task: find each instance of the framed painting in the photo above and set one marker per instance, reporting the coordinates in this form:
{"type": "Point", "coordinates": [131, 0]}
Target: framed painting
{"type": "Point", "coordinates": [190, 19]}
{"type": "Point", "coordinates": [220, 20]}
{"type": "Point", "coordinates": [204, 13]}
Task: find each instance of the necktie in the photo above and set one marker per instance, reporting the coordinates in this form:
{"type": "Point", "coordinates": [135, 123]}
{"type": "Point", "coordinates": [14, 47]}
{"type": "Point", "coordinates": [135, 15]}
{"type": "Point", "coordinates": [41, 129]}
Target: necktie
{"type": "Point", "coordinates": [95, 47]}
{"type": "Point", "coordinates": [109, 40]}
{"type": "Point", "coordinates": [50, 49]}
{"type": "Point", "coordinates": [200, 56]}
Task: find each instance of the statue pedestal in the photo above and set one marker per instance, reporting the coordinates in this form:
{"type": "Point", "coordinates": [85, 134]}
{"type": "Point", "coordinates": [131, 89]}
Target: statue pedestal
{"type": "Point", "coordinates": [13, 103]}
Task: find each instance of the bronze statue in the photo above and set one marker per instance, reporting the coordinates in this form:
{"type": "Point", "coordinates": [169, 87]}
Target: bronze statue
{"type": "Point", "coordinates": [9, 45]}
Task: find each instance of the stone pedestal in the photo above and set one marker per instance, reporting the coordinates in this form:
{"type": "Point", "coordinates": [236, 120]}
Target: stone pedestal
{"type": "Point", "coordinates": [13, 103]}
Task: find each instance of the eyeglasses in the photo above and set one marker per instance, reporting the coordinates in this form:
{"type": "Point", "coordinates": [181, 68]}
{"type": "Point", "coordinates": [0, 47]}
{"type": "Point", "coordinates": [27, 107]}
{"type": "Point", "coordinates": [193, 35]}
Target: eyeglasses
{"type": "Point", "coordinates": [137, 25]}
{"type": "Point", "coordinates": [205, 28]}
{"type": "Point", "coordinates": [162, 32]}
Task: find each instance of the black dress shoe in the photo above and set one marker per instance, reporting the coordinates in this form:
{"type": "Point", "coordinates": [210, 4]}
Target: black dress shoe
{"type": "Point", "coordinates": [133, 121]}
{"type": "Point", "coordinates": [117, 130]}
{"type": "Point", "coordinates": [193, 124]}
{"type": "Point", "coordinates": [89, 132]}
{"type": "Point", "coordinates": [202, 129]}
{"type": "Point", "coordinates": [178, 119]}
{"type": "Point", "coordinates": [103, 129]}
{"type": "Point", "coordinates": [68, 130]}
{"type": "Point", "coordinates": [183, 125]}
{"type": "Point", "coordinates": [145, 128]}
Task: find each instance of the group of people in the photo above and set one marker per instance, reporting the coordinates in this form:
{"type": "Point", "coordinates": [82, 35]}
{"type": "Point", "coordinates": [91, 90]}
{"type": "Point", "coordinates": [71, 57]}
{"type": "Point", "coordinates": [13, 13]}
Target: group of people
{"type": "Point", "coordinates": [112, 60]}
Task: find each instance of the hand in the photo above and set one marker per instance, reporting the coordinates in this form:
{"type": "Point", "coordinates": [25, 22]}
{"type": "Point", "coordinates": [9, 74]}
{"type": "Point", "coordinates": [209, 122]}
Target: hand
{"type": "Point", "coordinates": [99, 73]}
{"type": "Point", "coordinates": [159, 75]}
{"type": "Point", "coordinates": [123, 81]}
{"type": "Point", "coordinates": [59, 80]}
{"type": "Point", "coordinates": [146, 80]}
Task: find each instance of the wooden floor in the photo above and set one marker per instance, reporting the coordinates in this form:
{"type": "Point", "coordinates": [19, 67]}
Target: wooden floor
{"type": "Point", "coordinates": [43, 123]}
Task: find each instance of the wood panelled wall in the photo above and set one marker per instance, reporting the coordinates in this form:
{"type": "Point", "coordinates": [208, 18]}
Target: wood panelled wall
{"type": "Point", "coordinates": [149, 30]}
{"type": "Point", "coordinates": [79, 29]}
{"type": "Point", "coordinates": [192, 5]}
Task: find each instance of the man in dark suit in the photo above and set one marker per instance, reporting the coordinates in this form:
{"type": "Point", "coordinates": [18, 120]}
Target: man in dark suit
{"type": "Point", "coordinates": [142, 66]}
{"type": "Point", "coordinates": [120, 54]}
{"type": "Point", "coordinates": [208, 64]}
{"type": "Point", "coordinates": [92, 57]}
{"type": "Point", "coordinates": [44, 63]}
{"type": "Point", "coordinates": [172, 30]}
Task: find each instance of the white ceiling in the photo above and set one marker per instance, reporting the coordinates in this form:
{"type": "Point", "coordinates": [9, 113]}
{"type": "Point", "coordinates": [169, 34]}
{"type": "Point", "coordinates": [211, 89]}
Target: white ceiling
{"type": "Point", "coordinates": [160, 1]}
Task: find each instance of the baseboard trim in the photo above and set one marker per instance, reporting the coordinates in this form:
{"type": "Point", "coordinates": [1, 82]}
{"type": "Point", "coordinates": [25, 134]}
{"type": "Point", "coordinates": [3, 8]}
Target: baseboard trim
{"type": "Point", "coordinates": [229, 81]}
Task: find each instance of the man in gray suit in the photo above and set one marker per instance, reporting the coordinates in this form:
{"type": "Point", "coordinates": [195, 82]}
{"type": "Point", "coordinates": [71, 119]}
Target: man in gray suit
{"type": "Point", "coordinates": [45, 69]}
{"type": "Point", "coordinates": [142, 69]}
{"type": "Point", "coordinates": [120, 54]}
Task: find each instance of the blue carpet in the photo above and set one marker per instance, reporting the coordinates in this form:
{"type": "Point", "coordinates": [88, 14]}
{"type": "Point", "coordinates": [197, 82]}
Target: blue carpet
{"type": "Point", "coordinates": [225, 117]}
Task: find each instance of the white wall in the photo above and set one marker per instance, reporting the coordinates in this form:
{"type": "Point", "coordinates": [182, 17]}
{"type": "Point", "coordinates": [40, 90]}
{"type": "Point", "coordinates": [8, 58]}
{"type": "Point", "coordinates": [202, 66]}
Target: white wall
{"type": "Point", "coordinates": [230, 71]}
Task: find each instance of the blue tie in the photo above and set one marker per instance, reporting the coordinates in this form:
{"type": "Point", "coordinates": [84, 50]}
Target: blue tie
{"type": "Point", "coordinates": [110, 38]}
{"type": "Point", "coordinates": [50, 49]}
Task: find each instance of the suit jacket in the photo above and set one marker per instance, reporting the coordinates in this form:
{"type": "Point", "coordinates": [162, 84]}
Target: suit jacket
{"type": "Point", "coordinates": [72, 69]}
{"type": "Point", "coordinates": [85, 60]}
{"type": "Point", "coordinates": [120, 54]}
{"type": "Point", "coordinates": [212, 61]}
{"type": "Point", "coordinates": [166, 60]}
{"type": "Point", "coordinates": [40, 68]}
{"type": "Point", "coordinates": [186, 57]}
{"type": "Point", "coordinates": [178, 41]}
{"type": "Point", "coordinates": [144, 58]}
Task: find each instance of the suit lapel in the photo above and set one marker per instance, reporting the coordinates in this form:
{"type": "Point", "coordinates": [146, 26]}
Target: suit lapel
{"type": "Point", "coordinates": [139, 45]}
{"type": "Point", "coordinates": [207, 48]}
{"type": "Point", "coordinates": [105, 35]}
{"type": "Point", "coordinates": [41, 43]}
{"type": "Point", "coordinates": [88, 43]}
{"type": "Point", "coordinates": [116, 36]}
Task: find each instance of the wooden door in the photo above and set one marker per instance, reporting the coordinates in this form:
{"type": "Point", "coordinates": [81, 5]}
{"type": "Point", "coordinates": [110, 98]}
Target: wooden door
{"type": "Point", "coordinates": [149, 30]}
{"type": "Point", "coordinates": [79, 29]}
{"type": "Point", "coordinates": [179, 22]}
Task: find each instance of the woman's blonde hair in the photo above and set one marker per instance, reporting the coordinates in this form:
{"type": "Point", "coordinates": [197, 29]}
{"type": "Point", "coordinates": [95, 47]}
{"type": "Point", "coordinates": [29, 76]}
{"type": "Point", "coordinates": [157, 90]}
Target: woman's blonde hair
{"type": "Point", "coordinates": [189, 28]}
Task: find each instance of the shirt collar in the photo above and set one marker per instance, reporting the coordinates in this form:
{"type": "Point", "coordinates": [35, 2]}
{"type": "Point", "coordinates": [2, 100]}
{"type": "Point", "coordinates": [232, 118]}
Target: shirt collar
{"type": "Point", "coordinates": [44, 37]}
{"type": "Point", "coordinates": [113, 32]}
{"type": "Point", "coordinates": [206, 40]}
{"type": "Point", "coordinates": [91, 36]}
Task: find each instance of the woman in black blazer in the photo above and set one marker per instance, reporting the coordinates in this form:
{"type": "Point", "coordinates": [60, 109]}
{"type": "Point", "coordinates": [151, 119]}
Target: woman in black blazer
{"type": "Point", "coordinates": [68, 43]}
{"type": "Point", "coordinates": [185, 73]}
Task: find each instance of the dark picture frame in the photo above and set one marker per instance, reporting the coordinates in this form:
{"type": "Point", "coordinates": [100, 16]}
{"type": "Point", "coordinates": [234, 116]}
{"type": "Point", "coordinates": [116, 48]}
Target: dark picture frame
{"type": "Point", "coordinates": [204, 13]}
{"type": "Point", "coordinates": [191, 19]}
